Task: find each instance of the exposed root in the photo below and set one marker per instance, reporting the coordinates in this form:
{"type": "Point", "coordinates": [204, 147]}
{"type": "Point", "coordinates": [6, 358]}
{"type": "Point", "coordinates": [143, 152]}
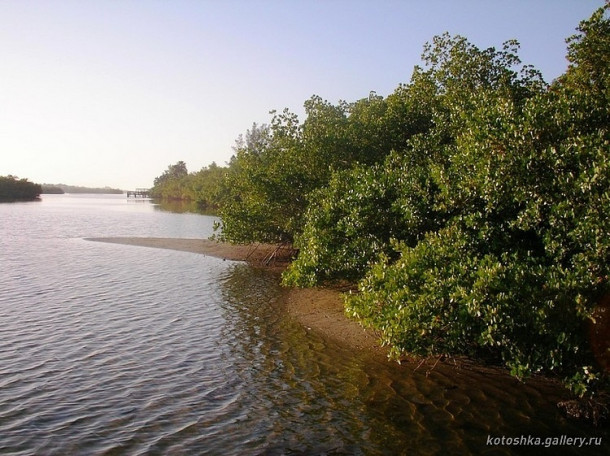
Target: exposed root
{"type": "Point", "coordinates": [275, 254]}
{"type": "Point", "coordinates": [590, 410]}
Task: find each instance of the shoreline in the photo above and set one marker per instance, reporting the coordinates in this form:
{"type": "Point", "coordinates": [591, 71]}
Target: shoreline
{"type": "Point", "coordinates": [321, 310]}
{"type": "Point", "coordinates": [256, 254]}
{"type": "Point", "coordinates": [317, 309]}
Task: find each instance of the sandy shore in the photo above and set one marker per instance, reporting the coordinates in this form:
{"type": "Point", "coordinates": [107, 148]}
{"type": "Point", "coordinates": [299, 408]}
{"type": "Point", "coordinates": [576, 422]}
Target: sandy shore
{"type": "Point", "coordinates": [318, 309]}
{"type": "Point", "coordinates": [257, 254]}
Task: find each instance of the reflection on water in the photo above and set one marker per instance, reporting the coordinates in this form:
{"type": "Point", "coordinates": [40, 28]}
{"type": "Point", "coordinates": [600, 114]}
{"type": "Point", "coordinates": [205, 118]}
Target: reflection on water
{"type": "Point", "coordinates": [114, 349]}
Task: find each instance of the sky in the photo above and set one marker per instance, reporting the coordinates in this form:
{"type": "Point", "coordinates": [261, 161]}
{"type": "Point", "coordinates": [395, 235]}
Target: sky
{"type": "Point", "coordinates": [110, 93]}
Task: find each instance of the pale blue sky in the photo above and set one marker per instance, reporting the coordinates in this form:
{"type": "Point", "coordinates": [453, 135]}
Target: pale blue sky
{"type": "Point", "coordinates": [111, 92]}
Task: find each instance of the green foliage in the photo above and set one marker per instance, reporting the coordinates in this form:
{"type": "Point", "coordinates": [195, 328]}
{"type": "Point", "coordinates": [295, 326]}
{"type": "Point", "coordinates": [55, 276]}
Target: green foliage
{"type": "Point", "coordinates": [264, 189]}
{"type": "Point", "coordinates": [350, 222]}
{"type": "Point", "coordinates": [206, 185]}
{"type": "Point", "coordinates": [278, 169]}
{"type": "Point", "coordinates": [587, 81]}
{"type": "Point", "coordinates": [485, 233]}
{"type": "Point", "coordinates": [446, 296]}
{"type": "Point", "coordinates": [172, 183]}
{"type": "Point", "coordinates": [203, 187]}
{"type": "Point", "coordinates": [354, 219]}
{"type": "Point", "coordinates": [15, 189]}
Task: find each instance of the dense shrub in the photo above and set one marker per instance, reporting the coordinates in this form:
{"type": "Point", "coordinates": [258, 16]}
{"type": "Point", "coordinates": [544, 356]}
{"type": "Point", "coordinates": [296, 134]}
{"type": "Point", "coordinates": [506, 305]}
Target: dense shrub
{"type": "Point", "coordinates": [497, 214]}
{"type": "Point", "coordinates": [353, 220]}
{"type": "Point", "coordinates": [349, 225]}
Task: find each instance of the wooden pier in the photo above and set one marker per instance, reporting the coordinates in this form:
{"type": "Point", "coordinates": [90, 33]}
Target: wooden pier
{"type": "Point", "coordinates": [139, 193]}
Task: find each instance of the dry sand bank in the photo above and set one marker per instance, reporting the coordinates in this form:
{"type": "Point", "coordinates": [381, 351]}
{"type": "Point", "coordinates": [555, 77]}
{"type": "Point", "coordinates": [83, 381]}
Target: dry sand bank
{"type": "Point", "coordinates": [255, 254]}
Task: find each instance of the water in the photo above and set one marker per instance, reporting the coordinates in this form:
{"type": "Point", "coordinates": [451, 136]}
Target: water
{"type": "Point", "coordinates": [114, 349]}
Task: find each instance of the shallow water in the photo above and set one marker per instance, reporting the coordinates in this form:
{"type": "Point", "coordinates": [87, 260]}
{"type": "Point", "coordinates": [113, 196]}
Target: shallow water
{"type": "Point", "coordinates": [114, 349]}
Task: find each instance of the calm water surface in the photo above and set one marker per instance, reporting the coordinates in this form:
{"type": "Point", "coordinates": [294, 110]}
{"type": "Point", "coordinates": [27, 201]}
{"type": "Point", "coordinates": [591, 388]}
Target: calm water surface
{"type": "Point", "coordinates": [114, 349]}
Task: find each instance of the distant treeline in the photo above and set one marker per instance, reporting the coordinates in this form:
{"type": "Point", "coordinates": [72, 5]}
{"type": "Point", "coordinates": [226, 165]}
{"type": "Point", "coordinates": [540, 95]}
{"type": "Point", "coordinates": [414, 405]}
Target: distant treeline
{"type": "Point", "coordinates": [203, 187]}
{"type": "Point", "coordinates": [63, 188]}
{"type": "Point", "coordinates": [15, 189]}
{"type": "Point", "coordinates": [471, 206]}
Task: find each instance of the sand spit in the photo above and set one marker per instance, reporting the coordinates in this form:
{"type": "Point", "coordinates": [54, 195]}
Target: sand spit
{"type": "Point", "coordinates": [256, 254]}
{"type": "Point", "coordinates": [318, 309]}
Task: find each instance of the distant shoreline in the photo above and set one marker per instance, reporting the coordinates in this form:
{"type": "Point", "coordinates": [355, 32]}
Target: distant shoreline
{"type": "Point", "coordinates": [60, 189]}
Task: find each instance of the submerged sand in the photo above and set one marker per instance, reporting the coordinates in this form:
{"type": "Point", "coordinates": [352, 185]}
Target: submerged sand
{"type": "Point", "coordinates": [318, 309]}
